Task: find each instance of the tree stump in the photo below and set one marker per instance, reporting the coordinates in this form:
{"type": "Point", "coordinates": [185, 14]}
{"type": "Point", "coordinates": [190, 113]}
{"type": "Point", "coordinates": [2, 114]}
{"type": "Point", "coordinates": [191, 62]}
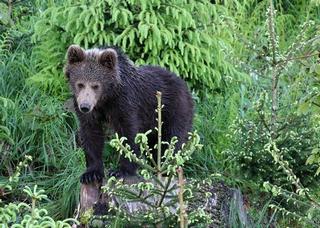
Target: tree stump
{"type": "Point", "coordinates": [222, 200]}
{"type": "Point", "coordinates": [89, 196]}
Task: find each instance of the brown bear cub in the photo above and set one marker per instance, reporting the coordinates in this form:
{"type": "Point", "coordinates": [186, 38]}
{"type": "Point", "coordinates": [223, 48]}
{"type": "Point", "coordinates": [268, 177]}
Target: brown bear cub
{"type": "Point", "coordinates": [108, 87]}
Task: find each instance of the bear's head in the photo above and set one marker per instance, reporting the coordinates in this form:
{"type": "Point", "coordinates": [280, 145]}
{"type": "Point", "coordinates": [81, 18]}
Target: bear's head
{"type": "Point", "coordinates": [92, 74]}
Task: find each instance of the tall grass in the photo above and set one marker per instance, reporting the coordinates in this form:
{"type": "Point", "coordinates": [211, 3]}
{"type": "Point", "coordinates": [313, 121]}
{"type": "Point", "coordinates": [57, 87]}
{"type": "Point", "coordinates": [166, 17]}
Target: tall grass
{"type": "Point", "coordinates": [39, 126]}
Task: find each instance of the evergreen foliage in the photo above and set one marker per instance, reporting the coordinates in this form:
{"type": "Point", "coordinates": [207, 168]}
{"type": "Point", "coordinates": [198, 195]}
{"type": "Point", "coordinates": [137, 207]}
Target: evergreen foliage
{"type": "Point", "coordinates": [180, 35]}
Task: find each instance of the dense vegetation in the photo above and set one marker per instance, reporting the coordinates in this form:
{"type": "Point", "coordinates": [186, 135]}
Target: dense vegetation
{"type": "Point", "coordinates": [252, 65]}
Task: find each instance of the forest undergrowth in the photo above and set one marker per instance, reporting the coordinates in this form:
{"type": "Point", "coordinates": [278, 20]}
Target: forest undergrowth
{"type": "Point", "coordinates": [253, 67]}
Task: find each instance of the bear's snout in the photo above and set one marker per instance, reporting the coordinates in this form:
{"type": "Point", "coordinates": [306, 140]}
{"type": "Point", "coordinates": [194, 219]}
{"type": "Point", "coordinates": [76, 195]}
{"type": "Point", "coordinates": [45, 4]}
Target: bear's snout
{"type": "Point", "coordinates": [85, 108]}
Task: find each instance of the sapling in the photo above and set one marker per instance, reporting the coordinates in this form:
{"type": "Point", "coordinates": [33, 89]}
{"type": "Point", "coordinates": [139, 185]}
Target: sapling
{"type": "Point", "coordinates": [156, 197]}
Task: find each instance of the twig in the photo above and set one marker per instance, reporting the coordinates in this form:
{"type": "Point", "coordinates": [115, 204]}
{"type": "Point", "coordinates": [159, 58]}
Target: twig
{"type": "Point", "coordinates": [165, 191]}
{"type": "Point", "coordinates": [263, 119]}
{"type": "Point", "coordinates": [137, 196]}
{"type": "Point", "coordinates": [275, 76]}
{"type": "Point", "coordinates": [316, 104]}
{"type": "Point", "coordinates": [272, 33]}
{"type": "Point", "coordinates": [299, 57]}
{"type": "Point", "coordinates": [10, 7]}
{"type": "Point", "coordinates": [282, 64]}
{"type": "Point", "coordinates": [151, 157]}
{"type": "Point", "coordinates": [183, 213]}
{"type": "Point", "coordinates": [136, 160]}
{"type": "Point", "coordinates": [299, 185]}
{"type": "Point", "coordinates": [159, 109]}
{"type": "Point", "coordinates": [296, 44]}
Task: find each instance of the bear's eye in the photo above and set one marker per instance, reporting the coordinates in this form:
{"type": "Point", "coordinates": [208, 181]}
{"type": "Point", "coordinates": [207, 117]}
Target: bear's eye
{"type": "Point", "coordinates": [80, 85]}
{"type": "Point", "coordinates": [95, 87]}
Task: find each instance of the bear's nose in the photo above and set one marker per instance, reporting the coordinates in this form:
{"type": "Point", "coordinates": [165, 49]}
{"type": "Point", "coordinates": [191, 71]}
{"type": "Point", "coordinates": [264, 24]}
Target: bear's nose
{"type": "Point", "coordinates": [85, 107]}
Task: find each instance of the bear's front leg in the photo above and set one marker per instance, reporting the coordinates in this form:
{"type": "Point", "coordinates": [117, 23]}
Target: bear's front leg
{"type": "Point", "coordinates": [129, 130]}
{"type": "Point", "coordinates": [92, 142]}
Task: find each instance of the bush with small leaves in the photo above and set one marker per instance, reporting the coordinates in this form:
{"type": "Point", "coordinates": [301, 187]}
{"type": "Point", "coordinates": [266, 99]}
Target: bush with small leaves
{"type": "Point", "coordinates": [273, 138]}
{"type": "Point", "coordinates": [26, 213]}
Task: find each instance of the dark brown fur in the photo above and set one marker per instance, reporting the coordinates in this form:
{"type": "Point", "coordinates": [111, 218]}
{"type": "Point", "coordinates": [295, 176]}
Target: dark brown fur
{"type": "Point", "coordinates": [128, 100]}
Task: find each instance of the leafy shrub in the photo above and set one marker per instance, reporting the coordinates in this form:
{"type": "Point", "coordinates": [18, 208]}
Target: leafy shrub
{"type": "Point", "coordinates": [26, 213]}
{"type": "Point", "coordinates": [250, 135]}
{"type": "Point", "coordinates": [272, 139]}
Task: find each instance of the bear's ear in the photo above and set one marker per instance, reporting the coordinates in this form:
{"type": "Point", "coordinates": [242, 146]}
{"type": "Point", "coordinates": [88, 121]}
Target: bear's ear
{"type": "Point", "coordinates": [75, 54]}
{"type": "Point", "coordinates": [108, 58]}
